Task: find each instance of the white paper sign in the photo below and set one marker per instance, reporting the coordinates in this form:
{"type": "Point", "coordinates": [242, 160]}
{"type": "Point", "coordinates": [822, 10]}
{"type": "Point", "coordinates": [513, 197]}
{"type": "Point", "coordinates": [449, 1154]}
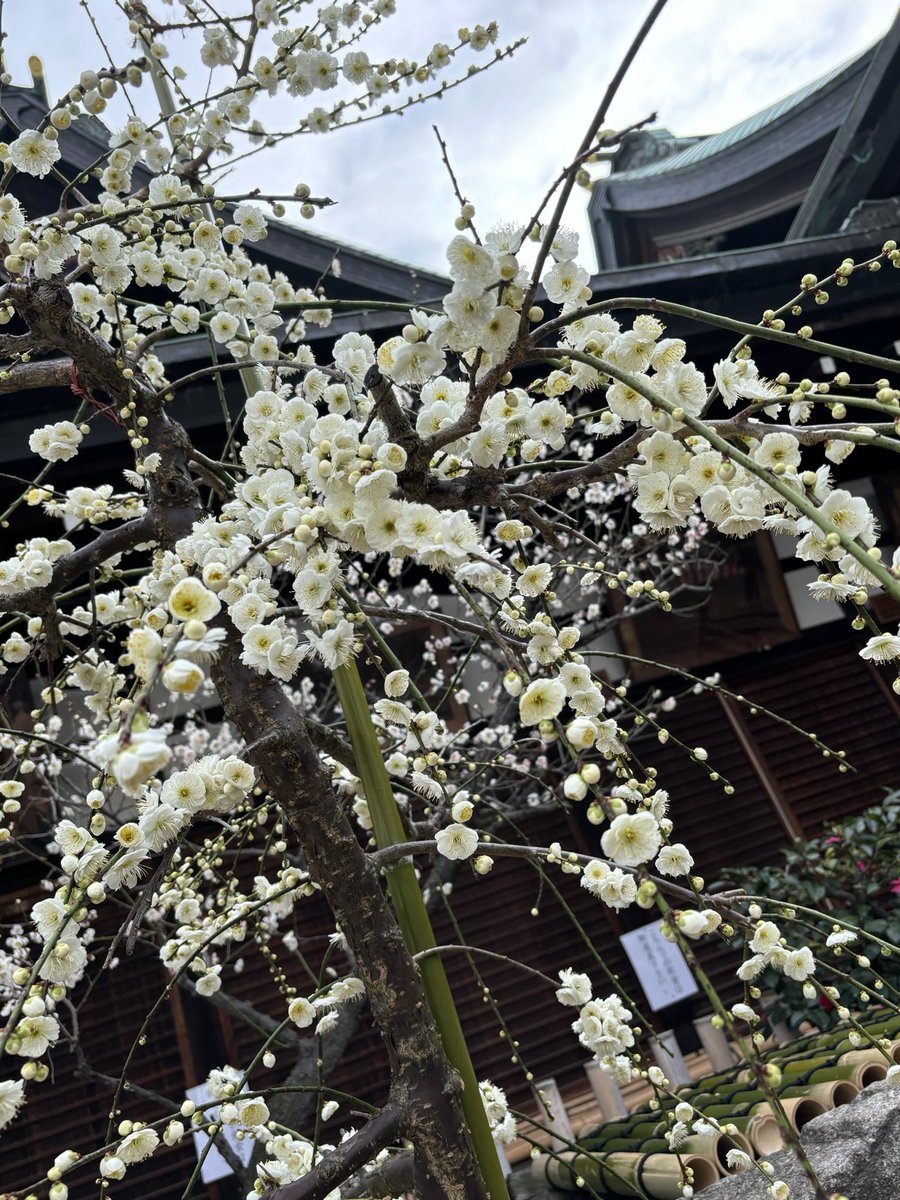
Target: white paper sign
{"type": "Point", "coordinates": [660, 966]}
{"type": "Point", "coordinates": [214, 1165]}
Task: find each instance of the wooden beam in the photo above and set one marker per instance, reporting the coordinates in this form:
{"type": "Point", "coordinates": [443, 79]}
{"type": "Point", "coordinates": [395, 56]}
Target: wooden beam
{"type": "Point", "coordinates": [761, 768]}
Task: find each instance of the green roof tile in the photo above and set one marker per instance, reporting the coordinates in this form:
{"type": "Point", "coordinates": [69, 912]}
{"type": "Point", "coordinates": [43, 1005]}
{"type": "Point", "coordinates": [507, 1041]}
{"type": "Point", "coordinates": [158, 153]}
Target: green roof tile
{"type": "Point", "coordinates": [718, 142]}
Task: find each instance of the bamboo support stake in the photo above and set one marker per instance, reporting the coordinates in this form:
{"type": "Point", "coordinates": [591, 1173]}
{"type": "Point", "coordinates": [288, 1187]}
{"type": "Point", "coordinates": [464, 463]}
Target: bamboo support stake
{"type": "Point", "coordinates": [413, 918]}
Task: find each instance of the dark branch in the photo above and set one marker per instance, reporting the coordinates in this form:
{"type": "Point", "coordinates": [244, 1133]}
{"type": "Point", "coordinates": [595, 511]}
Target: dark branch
{"type": "Point", "coordinates": [12, 344]}
{"type": "Point", "coordinates": [390, 1178]}
{"type": "Point", "coordinates": [330, 743]}
{"type": "Point", "coordinates": [26, 377]}
{"type": "Point", "coordinates": [550, 484]}
{"type": "Point", "coordinates": [349, 1157]}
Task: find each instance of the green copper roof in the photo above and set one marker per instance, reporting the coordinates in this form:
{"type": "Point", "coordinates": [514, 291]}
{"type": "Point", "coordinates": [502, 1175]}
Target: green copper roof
{"type": "Point", "coordinates": [709, 146]}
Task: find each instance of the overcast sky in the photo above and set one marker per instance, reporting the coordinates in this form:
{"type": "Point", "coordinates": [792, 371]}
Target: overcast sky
{"type": "Point", "coordinates": [706, 65]}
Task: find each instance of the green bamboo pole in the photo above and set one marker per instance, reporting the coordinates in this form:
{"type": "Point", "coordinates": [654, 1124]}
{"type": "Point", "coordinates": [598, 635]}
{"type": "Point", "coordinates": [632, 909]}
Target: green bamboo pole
{"type": "Point", "coordinates": [415, 923]}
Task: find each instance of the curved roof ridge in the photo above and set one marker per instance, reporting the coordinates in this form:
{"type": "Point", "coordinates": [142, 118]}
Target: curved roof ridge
{"type": "Point", "coordinates": [715, 143]}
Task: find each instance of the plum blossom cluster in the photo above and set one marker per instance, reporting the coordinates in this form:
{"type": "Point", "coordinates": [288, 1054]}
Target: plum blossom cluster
{"type": "Point", "coordinates": [321, 1010]}
{"type": "Point", "coordinates": [138, 1144]}
{"type": "Point", "coordinates": [96, 505]}
{"type": "Point", "coordinates": [603, 1024]}
{"type": "Point", "coordinates": [204, 932]}
{"type": "Point", "coordinates": [319, 485]}
{"type": "Point", "coordinates": [56, 443]}
{"type": "Point", "coordinates": [286, 52]}
{"type": "Point", "coordinates": [91, 868]}
{"type": "Point", "coordinates": [322, 481]}
{"type": "Point", "coordinates": [324, 469]}
{"type": "Point", "coordinates": [770, 949]}
{"type": "Point", "coordinates": [171, 241]}
{"type": "Point", "coordinates": [32, 566]}
{"type": "Point", "coordinates": [502, 1122]}
{"type": "Point", "coordinates": [289, 1158]}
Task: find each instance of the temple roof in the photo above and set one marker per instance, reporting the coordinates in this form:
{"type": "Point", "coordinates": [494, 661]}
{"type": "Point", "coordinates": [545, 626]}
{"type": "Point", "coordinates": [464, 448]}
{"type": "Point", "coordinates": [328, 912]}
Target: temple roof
{"type": "Point", "coordinates": [706, 147]}
{"type": "Point", "coordinates": [795, 169]}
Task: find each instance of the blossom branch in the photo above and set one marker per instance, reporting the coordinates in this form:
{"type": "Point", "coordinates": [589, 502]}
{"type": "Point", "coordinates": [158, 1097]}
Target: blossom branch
{"type": "Point", "coordinates": [105, 546]}
{"type": "Point", "coordinates": [388, 407]}
{"type": "Point", "coordinates": [799, 501]}
{"type": "Point", "coordinates": [452, 948]}
{"type": "Point", "coordinates": [557, 483]}
{"type": "Point", "coordinates": [586, 143]}
{"type": "Point", "coordinates": [702, 317]}
{"type": "Point", "coordinates": [807, 435]}
{"type": "Point", "coordinates": [539, 854]}
{"type": "Point", "coordinates": [392, 1177]}
{"type": "Point", "coordinates": [26, 377]}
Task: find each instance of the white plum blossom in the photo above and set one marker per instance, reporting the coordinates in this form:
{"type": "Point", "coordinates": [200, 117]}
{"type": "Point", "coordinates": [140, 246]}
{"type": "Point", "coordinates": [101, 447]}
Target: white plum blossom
{"type": "Point", "coordinates": [575, 988]}
{"type": "Point", "coordinates": [301, 1012]}
{"type": "Point", "coordinates": [12, 1097]}
{"type": "Point", "coordinates": [138, 1145]}
{"type": "Point", "coordinates": [33, 1035]}
{"type": "Point", "coordinates": [738, 379]}
{"type": "Point", "coordinates": [56, 443]}
{"type": "Point", "coordinates": [564, 282]}
{"type": "Point", "coordinates": [799, 964]}
{"type": "Point", "coordinates": [765, 938]}
{"type": "Point", "coordinates": [632, 839]}
{"type": "Point", "coordinates": [694, 924]}
{"type": "Point", "coordinates": [674, 859]}
{"type": "Point", "coordinates": [34, 153]}
{"type": "Point", "coordinates": [456, 841]}
{"type": "Point", "coordinates": [883, 647]}
{"type": "Point", "coordinates": [502, 1123]}
{"type": "Point", "coordinates": [135, 760]}
{"type": "Point", "coordinates": [542, 700]}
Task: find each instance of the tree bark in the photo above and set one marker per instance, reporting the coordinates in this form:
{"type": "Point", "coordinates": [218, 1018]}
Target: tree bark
{"type": "Point", "coordinates": [346, 1159]}
{"type": "Point", "coordinates": [422, 1083]}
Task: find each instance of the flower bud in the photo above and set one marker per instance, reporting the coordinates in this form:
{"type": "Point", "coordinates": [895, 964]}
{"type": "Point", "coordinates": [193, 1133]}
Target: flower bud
{"type": "Point", "coordinates": [182, 676]}
{"type": "Point", "coordinates": [512, 683]}
{"type": "Point", "coordinates": [575, 788]}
